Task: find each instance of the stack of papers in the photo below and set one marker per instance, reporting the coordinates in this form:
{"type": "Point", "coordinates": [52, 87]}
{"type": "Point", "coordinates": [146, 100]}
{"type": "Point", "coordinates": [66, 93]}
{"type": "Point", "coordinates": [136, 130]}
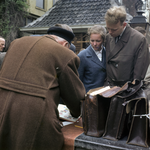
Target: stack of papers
{"type": "Point", "coordinates": [64, 113]}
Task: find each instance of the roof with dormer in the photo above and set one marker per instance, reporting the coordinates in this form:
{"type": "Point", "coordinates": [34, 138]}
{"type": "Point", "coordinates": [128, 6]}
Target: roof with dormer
{"type": "Point", "coordinates": [75, 13]}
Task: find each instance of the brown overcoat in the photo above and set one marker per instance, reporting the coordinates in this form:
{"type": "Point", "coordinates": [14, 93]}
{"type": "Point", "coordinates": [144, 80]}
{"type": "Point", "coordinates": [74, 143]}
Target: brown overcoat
{"type": "Point", "coordinates": [35, 73]}
{"type": "Point", "coordinates": [128, 59]}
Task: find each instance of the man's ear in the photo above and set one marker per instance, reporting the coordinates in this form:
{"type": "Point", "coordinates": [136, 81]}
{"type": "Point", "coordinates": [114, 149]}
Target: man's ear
{"type": "Point", "coordinates": [124, 24]}
{"type": "Point", "coordinates": [66, 44]}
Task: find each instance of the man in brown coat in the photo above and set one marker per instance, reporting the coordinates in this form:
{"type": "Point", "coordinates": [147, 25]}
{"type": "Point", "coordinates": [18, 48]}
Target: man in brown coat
{"type": "Point", "coordinates": [35, 73]}
{"type": "Point", "coordinates": [127, 55]}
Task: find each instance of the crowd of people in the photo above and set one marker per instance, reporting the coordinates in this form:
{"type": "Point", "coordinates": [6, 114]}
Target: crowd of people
{"type": "Point", "coordinates": [38, 71]}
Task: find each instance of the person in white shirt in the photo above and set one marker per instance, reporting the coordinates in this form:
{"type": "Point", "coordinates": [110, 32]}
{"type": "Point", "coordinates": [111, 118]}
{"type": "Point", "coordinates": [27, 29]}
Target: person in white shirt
{"type": "Point", "coordinates": [92, 69]}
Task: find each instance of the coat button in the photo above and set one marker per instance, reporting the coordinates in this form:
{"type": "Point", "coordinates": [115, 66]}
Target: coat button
{"type": "Point", "coordinates": [116, 65]}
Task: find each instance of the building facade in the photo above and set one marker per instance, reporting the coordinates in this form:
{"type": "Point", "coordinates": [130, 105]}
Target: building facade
{"type": "Point", "coordinates": [38, 8]}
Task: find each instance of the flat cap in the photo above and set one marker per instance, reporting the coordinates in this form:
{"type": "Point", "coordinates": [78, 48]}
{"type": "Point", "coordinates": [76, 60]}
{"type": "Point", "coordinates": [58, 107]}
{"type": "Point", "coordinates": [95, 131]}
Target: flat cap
{"type": "Point", "coordinates": [63, 33]}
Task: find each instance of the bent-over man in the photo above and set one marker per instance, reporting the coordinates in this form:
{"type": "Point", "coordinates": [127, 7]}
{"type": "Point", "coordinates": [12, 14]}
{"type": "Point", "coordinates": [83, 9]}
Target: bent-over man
{"type": "Point", "coordinates": [35, 73]}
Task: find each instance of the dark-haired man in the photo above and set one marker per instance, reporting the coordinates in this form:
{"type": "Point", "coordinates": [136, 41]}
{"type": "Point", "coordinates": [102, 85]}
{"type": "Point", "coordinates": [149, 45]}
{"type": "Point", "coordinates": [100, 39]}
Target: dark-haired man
{"type": "Point", "coordinates": [35, 73]}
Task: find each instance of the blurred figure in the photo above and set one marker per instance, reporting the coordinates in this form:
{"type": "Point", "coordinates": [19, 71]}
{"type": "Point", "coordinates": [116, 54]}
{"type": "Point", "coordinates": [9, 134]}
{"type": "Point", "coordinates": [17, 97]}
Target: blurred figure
{"type": "Point", "coordinates": [2, 53]}
{"type": "Point", "coordinates": [2, 43]}
{"type": "Point", "coordinates": [141, 30]}
{"type": "Point", "coordinates": [2, 56]}
{"type": "Point", "coordinates": [92, 69]}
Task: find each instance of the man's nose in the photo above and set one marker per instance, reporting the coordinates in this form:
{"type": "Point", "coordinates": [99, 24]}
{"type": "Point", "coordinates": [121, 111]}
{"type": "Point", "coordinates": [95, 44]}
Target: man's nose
{"type": "Point", "coordinates": [110, 31]}
{"type": "Point", "coordinates": [95, 43]}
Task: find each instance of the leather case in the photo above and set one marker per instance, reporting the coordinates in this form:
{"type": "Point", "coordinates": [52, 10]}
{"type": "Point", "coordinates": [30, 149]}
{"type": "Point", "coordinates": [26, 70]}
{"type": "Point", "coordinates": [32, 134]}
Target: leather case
{"type": "Point", "coordinates": [139, 129]}
{"type": "Point", "coordinates": [116, 125]}
{"type": "Point", "coordinates": [138, 134]}
{"type": "Point", "coordinates": [118, 121]}
{"type": "Point", "coordinates": [95, 109]}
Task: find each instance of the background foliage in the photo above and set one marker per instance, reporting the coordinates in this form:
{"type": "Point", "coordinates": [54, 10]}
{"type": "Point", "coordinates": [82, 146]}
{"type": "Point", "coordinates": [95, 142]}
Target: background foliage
{"type": "Point", "coordinates": [12, 16]}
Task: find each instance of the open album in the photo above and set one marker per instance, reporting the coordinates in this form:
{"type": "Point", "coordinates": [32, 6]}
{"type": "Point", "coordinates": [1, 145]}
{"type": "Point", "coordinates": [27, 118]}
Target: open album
{"type": "Point", "coordinates": [64, 113]}
{"type": "Point", "coordinates": [106, 91]}
{"type": "Point", "coordinates": [98, 91]}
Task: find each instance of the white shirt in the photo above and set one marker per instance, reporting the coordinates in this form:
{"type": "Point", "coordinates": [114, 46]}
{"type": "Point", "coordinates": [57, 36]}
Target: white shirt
{"type": "Point", "coordinates": [98, 53]}
{"type": "Point", "coordinates": [118, 37]}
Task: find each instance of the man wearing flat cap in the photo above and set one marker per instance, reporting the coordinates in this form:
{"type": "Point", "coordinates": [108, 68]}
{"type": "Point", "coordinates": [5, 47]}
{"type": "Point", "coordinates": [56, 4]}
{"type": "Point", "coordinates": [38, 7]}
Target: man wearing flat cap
{"type": "Point", "coordinates": [36, 71]}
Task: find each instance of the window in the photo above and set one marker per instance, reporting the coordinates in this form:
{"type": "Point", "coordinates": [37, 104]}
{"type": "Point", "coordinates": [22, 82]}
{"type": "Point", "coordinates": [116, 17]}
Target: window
{"type": "Point", "coordinates": [29, 20]}
{"type": "Point", "coordinates": [40, 3]}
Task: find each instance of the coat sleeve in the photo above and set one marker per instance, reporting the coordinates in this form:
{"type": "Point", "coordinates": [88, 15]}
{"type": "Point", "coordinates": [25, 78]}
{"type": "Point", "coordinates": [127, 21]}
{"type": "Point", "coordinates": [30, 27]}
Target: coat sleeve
{"type": "Point", "coordinates": [71, 88]}
{"type": "Point", "coordinates": [142, 60]}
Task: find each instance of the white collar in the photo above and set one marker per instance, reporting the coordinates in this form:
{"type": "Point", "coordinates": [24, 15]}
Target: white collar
{"type": "Point", "coordinates": [122, 32]}
{"type": "Point", "coordinates": [97, 51]}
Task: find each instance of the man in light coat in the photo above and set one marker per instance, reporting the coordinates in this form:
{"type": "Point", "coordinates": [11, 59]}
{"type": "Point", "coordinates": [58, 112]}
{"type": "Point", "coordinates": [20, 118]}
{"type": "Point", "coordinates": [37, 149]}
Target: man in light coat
{"type": "Point", "coordinates": [35, 73]}
{"type": "Point", "coordinates": [127, 55]}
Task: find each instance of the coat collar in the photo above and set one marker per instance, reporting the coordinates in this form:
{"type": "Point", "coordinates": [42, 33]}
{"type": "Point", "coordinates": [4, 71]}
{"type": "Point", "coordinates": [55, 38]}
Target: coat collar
{"type": "Point", "coordinates": [91, 54]}
{"type": "Point", "coordinates": [49, 36]}
{"type": "Point", "coordinates": [116, 48]}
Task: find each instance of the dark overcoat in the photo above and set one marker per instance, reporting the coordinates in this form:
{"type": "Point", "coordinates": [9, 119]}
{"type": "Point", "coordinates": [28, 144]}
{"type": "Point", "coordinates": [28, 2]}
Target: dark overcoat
{"type": "Point", "coordinates": [35, 73]}
{"type": "Point", "coordinates": [92, 71]}
{"type": "Point", "coordinates": [2, 56]}
{"type": "Point", "coordinates": [127, 59]}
